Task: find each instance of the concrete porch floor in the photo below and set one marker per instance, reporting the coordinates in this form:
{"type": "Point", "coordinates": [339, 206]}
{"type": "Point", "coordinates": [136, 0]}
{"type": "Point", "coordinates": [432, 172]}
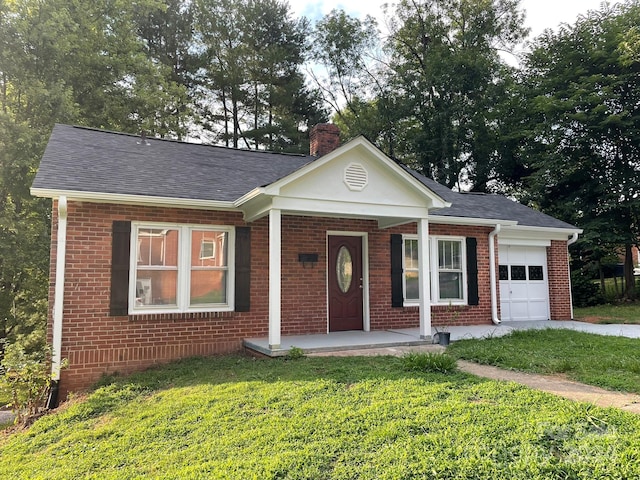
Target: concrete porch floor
{"type": "Point", "coordinates": [356, 339]}
{"type": "Point", "coordinates": [359, 340]}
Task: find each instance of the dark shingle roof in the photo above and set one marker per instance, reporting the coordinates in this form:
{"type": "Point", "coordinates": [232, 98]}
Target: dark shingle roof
{"type": "Point", "coordinates": [488, 206]}
{"type": "Point", "coordinates": [88, 160]}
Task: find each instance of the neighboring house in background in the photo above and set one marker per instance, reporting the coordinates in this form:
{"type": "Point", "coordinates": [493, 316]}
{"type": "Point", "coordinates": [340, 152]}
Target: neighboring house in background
{"type": "Point", "coordinates": [162, 249]}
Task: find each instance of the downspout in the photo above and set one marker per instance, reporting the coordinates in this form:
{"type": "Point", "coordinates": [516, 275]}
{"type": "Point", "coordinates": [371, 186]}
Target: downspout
{"type": "Point", "coordinates": [492, 275]}
{"type": "Point", "coordinates": [572, 240]}
{"type": "Point", "coordinates": [58, 303]}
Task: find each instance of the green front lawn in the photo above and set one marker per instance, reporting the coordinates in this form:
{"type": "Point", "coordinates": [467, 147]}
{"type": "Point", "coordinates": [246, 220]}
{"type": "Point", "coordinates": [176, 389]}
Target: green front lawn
{"type": "Point", "coordinates": [609, 362]}
{"type": "Point", "coordinates": [322, 418]}
{"type": "Point", "coordinates": [622, 313]}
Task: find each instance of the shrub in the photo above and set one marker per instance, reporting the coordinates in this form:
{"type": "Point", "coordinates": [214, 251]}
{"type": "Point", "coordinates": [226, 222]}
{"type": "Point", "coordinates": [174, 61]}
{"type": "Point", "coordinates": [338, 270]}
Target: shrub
{"type": "Point", "coordinates": [585, 292]}
{"type": "Point", "coordinates": [429, 362]}
{"type": "Point", "coordinates": [295, 353]}
{"type": "Point", "coordinates": [25, 378]}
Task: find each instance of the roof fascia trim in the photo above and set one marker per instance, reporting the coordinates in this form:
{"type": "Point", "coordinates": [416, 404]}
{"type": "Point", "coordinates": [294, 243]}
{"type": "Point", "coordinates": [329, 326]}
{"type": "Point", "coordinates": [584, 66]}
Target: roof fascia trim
{"type": "Point", "coordinates": [558, 230]}
{"type": "Point", "coordinates": [128, 199]}
{"type": "Point", "coordinates": [256, 192]}
{"type": "Point", "coordinates": [442, 219]}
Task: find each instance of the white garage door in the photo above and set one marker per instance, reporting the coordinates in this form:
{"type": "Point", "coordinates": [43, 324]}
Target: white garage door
{"type": "Point", "coordinates": [524, 291]}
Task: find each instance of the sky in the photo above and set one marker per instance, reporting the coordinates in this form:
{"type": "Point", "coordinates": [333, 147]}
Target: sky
{"type": "Point", "coordinates": [540, 14]}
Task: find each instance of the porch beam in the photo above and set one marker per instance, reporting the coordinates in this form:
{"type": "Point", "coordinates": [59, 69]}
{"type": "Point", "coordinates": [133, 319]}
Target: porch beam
{"type": "Point", "coordinates": [423, 279]}
{"type": "Point", "coordinates": [275, 277]}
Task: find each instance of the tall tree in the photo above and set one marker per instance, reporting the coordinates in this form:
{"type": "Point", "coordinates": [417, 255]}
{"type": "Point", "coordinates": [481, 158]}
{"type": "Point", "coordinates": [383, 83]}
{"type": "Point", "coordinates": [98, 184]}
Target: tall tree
{"type": "Point", "coordinates": [448, 78]}
{"type": "Point", "coordinates": [583, 142]}
{"type": "Point", "coordinates": [252, 50]}
{"type": "Point", "coordinates": [71, 61]}
{"type": "Point", "coordinates": [167, 34]}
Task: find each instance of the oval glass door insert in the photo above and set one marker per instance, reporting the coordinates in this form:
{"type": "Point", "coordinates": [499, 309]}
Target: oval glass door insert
{"type": "Point", "coordinates": [344, 269]}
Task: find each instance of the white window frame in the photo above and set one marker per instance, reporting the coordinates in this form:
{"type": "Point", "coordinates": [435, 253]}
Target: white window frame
{"type": "Point", "coordinates": [211, 243]}
{"type": "Point", "coordinates": [434, 270]}
{"type": "Point", "coordinates": [413, 302]}
{"type": "Point", "coordinates": [184, 269]}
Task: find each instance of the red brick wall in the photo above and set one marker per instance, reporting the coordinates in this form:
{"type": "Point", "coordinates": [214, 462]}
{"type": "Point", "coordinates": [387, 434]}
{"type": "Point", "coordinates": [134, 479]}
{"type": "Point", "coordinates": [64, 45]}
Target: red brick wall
{"type": "Point", "coordinates": [96, 343]}
{"type": "Point", "coordinates": [559, 290]}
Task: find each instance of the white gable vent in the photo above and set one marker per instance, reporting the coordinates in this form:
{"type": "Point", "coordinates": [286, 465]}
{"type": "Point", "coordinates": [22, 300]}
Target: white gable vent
{"type": "Point", "coordinates": [356, 177]}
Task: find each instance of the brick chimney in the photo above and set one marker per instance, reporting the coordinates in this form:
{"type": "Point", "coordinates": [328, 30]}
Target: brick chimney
{"type": "Point", "coordinates": [324, 137]}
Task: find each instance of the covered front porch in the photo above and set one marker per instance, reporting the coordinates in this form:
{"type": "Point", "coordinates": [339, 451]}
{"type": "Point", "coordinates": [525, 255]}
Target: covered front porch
{"type": "Point", "coordinates": [366, 186]}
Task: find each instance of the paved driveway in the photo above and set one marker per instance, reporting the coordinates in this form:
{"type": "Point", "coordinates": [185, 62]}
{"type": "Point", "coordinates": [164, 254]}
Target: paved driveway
{"type": "Point", "coordinates": [485, 331]}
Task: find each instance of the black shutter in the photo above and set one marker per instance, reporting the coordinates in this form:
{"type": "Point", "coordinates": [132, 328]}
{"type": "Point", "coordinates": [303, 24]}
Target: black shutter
{"type": "Point", "coordinates": [397, 297]}
{"type": "Point", "coordinates": [472, 271]}
{"type": "Point", "coordinates": [243, 269]}
{"type": "Point", "coordinates": [120, 245]}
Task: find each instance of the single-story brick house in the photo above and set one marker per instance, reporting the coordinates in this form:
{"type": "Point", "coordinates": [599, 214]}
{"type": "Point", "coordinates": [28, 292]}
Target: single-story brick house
{"type": "Point", "coordinates": [163, 249]}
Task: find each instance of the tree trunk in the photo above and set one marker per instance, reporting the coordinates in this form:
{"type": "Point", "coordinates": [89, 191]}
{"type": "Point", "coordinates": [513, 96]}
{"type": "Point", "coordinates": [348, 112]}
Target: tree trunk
{"type": "Point", "coordinates": [629, 278]}
{"type": "Point", "coordinates": [234, 112]}
{"type": "Point", "coordinates": [226, 118]}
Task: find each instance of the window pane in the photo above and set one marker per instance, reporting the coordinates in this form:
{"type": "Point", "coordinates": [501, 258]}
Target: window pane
{"type": "Point", "coordinates": [157, 247]}
{"type": "Point", "coordinates": [208, 286]}
{"type": "Point", "coordinates": [156, 287]}
{"type": "Point", "coordinates": [504, 272]}
{"type": "Point", "coordinates": [411, 253]}
{"type": "Point", "coordinates": [518, 272]}
{"type": "Point", "coordinates": [535, 272]}
{"type": "Point", "coordinates": [411, 286]}
{"type": "Point", "coordinates": [344, 269]}
{"type": "Point", "coordinates": [208, 248]}
{"type": "Point", "coordinates": [450, 285]}
{"type": "Point", "coordinates": [449, 254]}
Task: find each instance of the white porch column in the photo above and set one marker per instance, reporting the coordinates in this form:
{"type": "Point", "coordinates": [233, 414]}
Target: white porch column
{"type": "Point", "coordinates": [275, 277]}
{"type": "Point", "coordinates": [423, 278]}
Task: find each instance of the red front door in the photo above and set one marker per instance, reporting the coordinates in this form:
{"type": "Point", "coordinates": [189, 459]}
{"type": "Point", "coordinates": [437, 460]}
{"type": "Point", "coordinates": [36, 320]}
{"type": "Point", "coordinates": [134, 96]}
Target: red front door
{"type": "Point", "coordinates": [345, 283]}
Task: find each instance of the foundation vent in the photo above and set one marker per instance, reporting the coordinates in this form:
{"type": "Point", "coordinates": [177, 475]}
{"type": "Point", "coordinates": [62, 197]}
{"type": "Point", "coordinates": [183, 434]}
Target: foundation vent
{"type": "Point", "coordinates": [356, 177]}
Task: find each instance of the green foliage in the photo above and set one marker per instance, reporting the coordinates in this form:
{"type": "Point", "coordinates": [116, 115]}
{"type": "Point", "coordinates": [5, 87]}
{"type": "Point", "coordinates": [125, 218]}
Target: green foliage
{"type": "Point", "coordinates": [429, 362]}
{"type": "Point", "coordinates": [330, 418]}
{"type": "Point", "coordinates": [254, 94]}
{"type": "Point", "coordinates": [605, 361]}
{"type": "Point", "coordinates": [295, 353]}
{"type": "Point", "coordinates": [350, 80]}
{"type": "Point", "coordinates": [584, 291]}
{"type": "Point", "coordinates": [25, 379]}
{"type": "Point", "coordinates": [450, 82]}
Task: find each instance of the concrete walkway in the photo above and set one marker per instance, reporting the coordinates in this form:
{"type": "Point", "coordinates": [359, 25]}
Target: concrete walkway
{"type": "Point", "coordinates": [556, 385]}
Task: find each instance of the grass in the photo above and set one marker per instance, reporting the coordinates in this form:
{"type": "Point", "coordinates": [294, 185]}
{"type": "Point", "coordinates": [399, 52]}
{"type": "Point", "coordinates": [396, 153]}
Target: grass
{"type": "Point", "coordinates": [605, 361]}
{"type": "Point", "coordinates": [621, 313]}
{"type": "Point", "coordinates": [321, 418]}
